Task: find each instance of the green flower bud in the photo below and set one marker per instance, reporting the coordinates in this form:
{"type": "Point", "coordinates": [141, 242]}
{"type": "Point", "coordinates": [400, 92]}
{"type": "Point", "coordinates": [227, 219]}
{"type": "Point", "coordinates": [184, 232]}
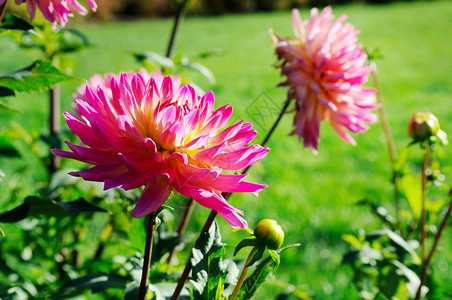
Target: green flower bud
{"type": "Point", "coordinates": [269, 233]}
{"type": "Point", "coordinates": [422, 126]}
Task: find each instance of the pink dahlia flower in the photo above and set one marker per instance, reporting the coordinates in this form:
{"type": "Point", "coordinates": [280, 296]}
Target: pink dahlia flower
{"type": "Point", "coordinates": [325, 70]}
{"type": "Point", "coordinates": [54, 10]}
{"type": "Point", "coordinates": [153, 132]}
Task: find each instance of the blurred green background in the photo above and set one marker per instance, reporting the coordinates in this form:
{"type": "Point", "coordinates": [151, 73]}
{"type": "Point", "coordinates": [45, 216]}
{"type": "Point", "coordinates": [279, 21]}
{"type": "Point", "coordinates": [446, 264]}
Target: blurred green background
{"type": "Point", "coordinates": [311, 196]}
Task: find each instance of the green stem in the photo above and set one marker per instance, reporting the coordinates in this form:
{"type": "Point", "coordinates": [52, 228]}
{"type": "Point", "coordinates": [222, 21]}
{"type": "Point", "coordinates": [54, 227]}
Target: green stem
{"type": "Point", "coordinates": [243, 274]}
{"type": "Point", "coordinates": [213, 213]}
{"type": "Point", "coordinates": [424, 192]}
{"type": "Point", "coordinates": [389, 137]}
{"type": "Point", "coordinates": [427, 261]}
{"type": "Point", "coordinates": [150, 228]}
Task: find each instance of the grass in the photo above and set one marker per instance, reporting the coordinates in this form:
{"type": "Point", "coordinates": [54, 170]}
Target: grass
{"type": "Point", "coordinates": [310, 195]}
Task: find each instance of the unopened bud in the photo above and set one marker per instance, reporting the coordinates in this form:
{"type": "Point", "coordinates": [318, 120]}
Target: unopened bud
{"type": "Point", "coordinates": [422, 126]}
{"type": "Point", "coordinates": [269, 233]}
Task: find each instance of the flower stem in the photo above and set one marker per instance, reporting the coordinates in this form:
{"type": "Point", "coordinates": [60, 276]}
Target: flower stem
{"type": "Point", "coordinates": [424, 192]}
{"type": "Point", "coordinates": [427, 261]}
{"type": "Point", "coordinates": [177, 18]}
{"type": "Point", "coordinates": [388, 135]}
{"type": "Point", "coordinates": [54, 122]}
{"type": "Point", "coordinates": [150, 228]}
{"type": "Point", "coordinates": [3, 9]}
{"type": "Point", "coordinates": [182, 226]}
{"type": "Point", "coordinates": [213, 213]}
{"type": "Point", "coordinates": [243, 274]}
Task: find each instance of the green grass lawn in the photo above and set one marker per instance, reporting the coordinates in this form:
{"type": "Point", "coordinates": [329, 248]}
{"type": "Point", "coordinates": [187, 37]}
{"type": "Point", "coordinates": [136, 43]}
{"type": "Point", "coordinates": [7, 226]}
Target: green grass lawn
{"type": "Point", "coordinates": [310, 195]}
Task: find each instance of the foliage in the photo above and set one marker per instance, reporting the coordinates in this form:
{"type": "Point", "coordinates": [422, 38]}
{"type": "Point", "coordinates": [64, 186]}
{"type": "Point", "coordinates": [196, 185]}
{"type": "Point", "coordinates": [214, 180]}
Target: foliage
{"type": "Point", "coordinates": [94, 254]}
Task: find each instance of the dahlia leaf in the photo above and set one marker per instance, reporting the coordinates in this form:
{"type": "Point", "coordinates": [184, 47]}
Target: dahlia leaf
{"type": "Point", "coordinates": [413, 280]}
{"type": "Point", "coordinates": [38, 76]}
{"type": "Point", "coordinates": [165, 242]}
{"type": "Point", "coordinates": [412, 187]}
{"type": "Point", "coordinates": [203, 70]}
{"type": "Point", "coordinates": [380, 212]}
{"type": "Point", "coordinates": [37, 205]}
{"type": "Point", "coordinates": [7, 149]}
{"type": "Point", "coordinates": [16, 23]}
{"type": "Point", "coordinates": [260, 274]}
{"type": "Point", "coordinates": [137, 234]}
{"type": "Point", "coordinates": [154, 60]}
{"type": "Point", "coordinates": [397, 240]}
{"type": "Point", "coordinates": [249, 241]}
{"type": "Point", "coordinates": [254, 282]}
{"type": "Point", "coordinates": [256, 256]}
{"type": "Point", "coordinates": [94, 282]}
{"type": "Point", "coordinates": [5, 92]}
{"type": "Point", "coordinates": [72, 40]}
{"type": "Point", "coordinates": [208, 266]}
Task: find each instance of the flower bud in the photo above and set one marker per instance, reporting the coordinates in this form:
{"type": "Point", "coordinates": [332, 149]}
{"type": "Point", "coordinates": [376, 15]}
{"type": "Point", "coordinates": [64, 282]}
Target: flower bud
{"type": "Point", "coordinates": [269, 233]}
{"type": "Point", "coordinates": [422, 126]}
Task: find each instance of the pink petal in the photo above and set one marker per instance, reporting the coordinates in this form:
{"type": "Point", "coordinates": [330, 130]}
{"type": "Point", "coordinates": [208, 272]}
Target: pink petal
{"type": "Point", "coordinates": [153, 196]}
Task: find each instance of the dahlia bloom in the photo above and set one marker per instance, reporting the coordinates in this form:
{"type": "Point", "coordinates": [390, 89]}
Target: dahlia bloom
{"type": "Point", "coordinates": [56, 10]}
{"type": "Point", "coordinates": [147, 130]}
{"type": "Point", "coordinates": [325, 70]}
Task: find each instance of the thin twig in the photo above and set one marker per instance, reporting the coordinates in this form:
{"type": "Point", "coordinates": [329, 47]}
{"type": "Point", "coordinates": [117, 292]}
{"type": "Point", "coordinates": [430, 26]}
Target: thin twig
{"type": "Point", "coordinates": [3, 9]}
{"type": "Point", "coordinates": [54, 122]}
{"type": "Point", "coordinates": [427, 261]}
{"type": "Point", "coordinates": [213, 213]}
{"type": "Point", "coordinates": [177, 18]}
{"type": "Point", "coordinates": [150, 228]}
{"type": "Point", "coordinates": [389, 137]}
{"type": "Point", "coordinates": [424, 192]}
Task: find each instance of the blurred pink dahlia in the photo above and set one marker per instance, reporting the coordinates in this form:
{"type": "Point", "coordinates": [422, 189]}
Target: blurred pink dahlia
{"type": "Point", "coordinates": [326, 70]}
{"type": "Point", "coordinates": [54, 10]}
{"type": "Point", "coordinates": [147, 130]}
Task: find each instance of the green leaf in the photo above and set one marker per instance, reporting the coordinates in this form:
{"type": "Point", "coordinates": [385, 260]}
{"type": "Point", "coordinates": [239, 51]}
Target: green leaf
{"type": "Point", "coordinates": [255, 281]}
{"type": "Point", "coordinates": [36, 205]}
{"type": "Point", "coordinates": [7, 149]}
{"type": "Point", "coordinates": [201, 69]}
{"type": "Point", "coordinates": [137, 234]}
{"type": "Point", "coordinates": [16, 214]}
{"type": "Point", "coordinates": [36, 77]}
{"type": "Point", "coordinates": [412, 187]}
{"type": "Point", "coordinates": [208, 266]}
{"type": "Point", "coordinates": [276, 259]}
{"type": "Point", "coordinates": [249, 241]}
{"type": "Point", "coordinates": [413, 280]}
{"type": "Point", "coordinates": [165, 242]}
{"type": "Point", "coordinates": [350, 257]}
{"type": "Point", "coordinates": [388, 281]}
{"type": "Point", "coordinates": [154, 59]}
{"type": "Point", "coordinates": [51, 140]}
{"type": "Point", "coordinates": [352, 240]}
{"type": "Point", "coordinates": [380, 212]}
{"type": "Point", "coordinates": [257, 256]}
{"type": "Point", "coordinates": [16, 23]}
{"type": "Point", "coordinates": [263, 269]}
{"type": "Point", "coordinates": [398, 241]}
{"type": "Point", "coordinates": [94, 282]}
{"type": "Point", "coordinates": [5, 92]}
{"type": "Point", "coordinates": [79, 205]}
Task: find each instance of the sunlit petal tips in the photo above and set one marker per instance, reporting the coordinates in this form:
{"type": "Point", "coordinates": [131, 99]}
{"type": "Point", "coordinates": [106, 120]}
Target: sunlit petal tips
{"type": "Point", "coordinates": [141, 129]}
{"type": "Point", "coordinates": [57, 11]}
{"type": "Point", "coordinates": [325, 71]}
